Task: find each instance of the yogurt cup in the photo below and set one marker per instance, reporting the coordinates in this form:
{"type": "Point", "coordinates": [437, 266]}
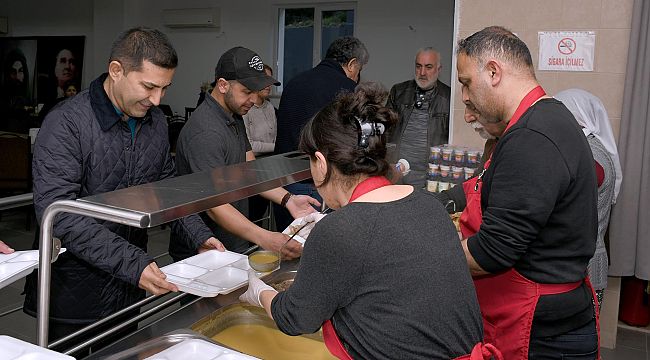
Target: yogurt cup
{"type": "Point", "coordinates": [469, 172]}
{"type": "Point", "coordinates": [447, 154]}
{"type": "Point", "coordinates": [434, 169]}
{"type": "Point", "coordinates": [435, 153]}
{"type": "Point", "coordinates": [457, 172]}
{"type": "Point", "coordinates": [442, 186]}
{"type": "Point", "coordinates": [432, 185]}
{"type": "Point", "coordinates": [459, 156]}
{"type": "Point", "coordinates": [444, 171]}
{"type": "Point", "coordinates": [472, 157]}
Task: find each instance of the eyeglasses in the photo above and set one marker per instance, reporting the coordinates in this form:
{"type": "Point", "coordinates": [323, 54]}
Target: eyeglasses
{"type": "Point", "coordinates": [419, 99]}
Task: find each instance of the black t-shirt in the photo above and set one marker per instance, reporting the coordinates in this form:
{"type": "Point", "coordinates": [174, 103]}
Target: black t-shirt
{"type": "Point", "coordinates": [539, 211]}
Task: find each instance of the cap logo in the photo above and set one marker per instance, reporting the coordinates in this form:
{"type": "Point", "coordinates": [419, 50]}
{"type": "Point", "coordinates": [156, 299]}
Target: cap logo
{"type": "Point", "coordinates": [256, 63]}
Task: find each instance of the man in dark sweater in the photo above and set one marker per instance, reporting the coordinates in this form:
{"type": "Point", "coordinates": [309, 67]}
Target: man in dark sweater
{"type": "Point", "coordinates": [537, 209]}
{"type": "Point", "coordinates": [309, 92]}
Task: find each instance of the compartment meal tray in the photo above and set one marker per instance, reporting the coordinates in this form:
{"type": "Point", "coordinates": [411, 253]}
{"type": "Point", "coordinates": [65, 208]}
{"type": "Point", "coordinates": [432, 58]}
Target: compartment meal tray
{"type": "Point", "coordinates": [210, 273]}
{"type": "Point", "coordinates": [198, 349]}
{"type": "Point", "coordinates": [15, 349]}
{"type": "Point", "coordinates": [17, 265]}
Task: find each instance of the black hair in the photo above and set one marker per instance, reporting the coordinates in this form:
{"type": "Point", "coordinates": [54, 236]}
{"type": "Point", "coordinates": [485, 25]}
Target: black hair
{"type": "Point", "coordinates": [22, 88]}
{"type": "Point", "coordinates": [334, 131]}
{"type": "Point", "coordinates": [346, 48]}
{"type": "Point", "coordinates": [499, 42]}
{"type": "Point", "coordinates": [136, 45]}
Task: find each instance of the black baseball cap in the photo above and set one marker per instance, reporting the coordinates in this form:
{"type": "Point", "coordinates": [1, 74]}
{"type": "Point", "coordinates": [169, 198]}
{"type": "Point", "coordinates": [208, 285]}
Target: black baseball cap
{"type": "Point", "coordinates": [245, 66]}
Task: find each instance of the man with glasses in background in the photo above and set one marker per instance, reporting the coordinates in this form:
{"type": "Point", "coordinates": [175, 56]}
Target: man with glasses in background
{"type": "Point", "coordinates": [423, 108]}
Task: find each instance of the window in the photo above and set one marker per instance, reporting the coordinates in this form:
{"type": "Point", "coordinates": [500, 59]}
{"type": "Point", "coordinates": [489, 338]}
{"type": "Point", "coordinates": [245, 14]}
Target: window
{"type": "Point", "coordinates": [305, 33]}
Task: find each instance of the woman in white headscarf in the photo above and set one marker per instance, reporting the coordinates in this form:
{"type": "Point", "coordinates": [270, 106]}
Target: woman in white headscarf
{"type": "Point", "coordinates": [592, 117]}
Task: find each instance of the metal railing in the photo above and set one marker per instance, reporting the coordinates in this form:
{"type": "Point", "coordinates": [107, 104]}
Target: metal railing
{"type": "Point", "coordinates": [125, 217]}
{"type": "Point", "coordinates": [16, 201]}
{"type": "Point", "coordinates": [156, 203]}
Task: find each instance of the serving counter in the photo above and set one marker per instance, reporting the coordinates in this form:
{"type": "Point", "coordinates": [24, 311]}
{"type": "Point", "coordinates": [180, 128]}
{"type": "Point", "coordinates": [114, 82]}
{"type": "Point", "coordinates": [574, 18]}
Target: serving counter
{"type": "Point", "coordinates": [157, 203]}
{"type": "Point", "coordinates": [178, 323]}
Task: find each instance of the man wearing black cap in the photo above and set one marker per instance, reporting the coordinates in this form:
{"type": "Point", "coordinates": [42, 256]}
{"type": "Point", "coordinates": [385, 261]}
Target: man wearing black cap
{"type": "Point", "coordinates": [215, 136]}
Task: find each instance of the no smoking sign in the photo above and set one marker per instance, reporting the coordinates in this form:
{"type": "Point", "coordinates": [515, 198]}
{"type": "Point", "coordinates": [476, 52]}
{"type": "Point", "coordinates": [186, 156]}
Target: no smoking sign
{"type": "Point", "coordinates": [566, 46]}
{"type": "Point", "coordinates": [566, 50]}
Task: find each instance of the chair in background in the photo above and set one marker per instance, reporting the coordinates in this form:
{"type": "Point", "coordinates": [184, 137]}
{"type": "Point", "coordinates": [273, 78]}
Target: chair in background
{"type": "Point", "coordinates": [166, 109]}
{"type": "Point", "coordinates": [15, 167]}
{"type": "Point", "coordinates": [174, 126]}
{"type": "Point", "coordinates": [188, 112]}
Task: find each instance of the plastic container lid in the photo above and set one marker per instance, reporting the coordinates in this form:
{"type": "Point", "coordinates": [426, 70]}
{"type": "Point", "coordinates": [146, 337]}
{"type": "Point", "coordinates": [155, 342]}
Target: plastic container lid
{"type": "Point", "coordinates": [15, 349]}
{"type": "Point", "coordinates": [197, 349]}
{"type": "Point", "coordinates": [17, 265]}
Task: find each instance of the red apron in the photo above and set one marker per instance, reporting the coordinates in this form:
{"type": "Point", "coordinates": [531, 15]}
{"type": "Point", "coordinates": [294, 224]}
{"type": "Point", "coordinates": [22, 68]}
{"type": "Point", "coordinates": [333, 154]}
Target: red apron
{"type": "Point", "coordinates": [335, 346]}
{"type": "Point", "coordinates": [508, 299]}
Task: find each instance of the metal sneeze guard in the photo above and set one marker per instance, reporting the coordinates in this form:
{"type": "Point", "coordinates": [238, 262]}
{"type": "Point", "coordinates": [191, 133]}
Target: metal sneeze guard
{"type": "Point", "coordinates": [162, 201]}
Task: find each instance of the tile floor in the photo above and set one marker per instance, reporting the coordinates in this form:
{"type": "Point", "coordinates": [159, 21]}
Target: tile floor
{"type": "Point", "coordinates": [631, 345]}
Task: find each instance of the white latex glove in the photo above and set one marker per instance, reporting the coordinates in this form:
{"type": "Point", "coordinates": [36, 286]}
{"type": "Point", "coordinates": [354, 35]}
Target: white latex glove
{"type": "Point", "coordinates": [255, 288]}
{"type": "Point", "coordinates": [309, 222]}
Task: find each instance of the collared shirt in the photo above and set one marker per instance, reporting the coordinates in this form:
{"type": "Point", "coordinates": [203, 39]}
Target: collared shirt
{"type": "Point", "coordinates": [212, 138]}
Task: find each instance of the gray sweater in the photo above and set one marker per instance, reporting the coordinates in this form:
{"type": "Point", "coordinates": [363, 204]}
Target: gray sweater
{"type": "Point", "coordinates": [393, 278]}
{"type": "Point", "coordinates": [598, 265]}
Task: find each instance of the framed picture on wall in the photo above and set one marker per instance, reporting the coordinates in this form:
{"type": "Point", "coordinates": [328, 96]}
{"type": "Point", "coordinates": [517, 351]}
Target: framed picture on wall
{"type": "Point", "coordinates": [18, 56]}
{"type": "Point", "coordinates": [59, 65]}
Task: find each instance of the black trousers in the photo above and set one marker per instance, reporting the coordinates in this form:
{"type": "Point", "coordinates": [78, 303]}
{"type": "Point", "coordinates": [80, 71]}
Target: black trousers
{"type": "Point", "coordinates": [578, 344]}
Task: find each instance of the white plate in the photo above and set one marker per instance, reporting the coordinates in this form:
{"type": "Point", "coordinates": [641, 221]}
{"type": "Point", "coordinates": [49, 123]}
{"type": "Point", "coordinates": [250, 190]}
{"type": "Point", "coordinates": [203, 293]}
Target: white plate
{"type": "Point", "coordinates": [14, 349]}
{"type": "Point", "coordinates": [195, 349]}
{"type": "Point", "coordinates": [210, 273]}
{"type": "Point", "coordinates": [17, 265]}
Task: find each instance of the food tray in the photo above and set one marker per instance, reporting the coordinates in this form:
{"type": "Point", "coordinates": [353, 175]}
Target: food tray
{"type": "Point", "coordinates": [17, 265]}
{"type": "Point", "coordinates": [295, 226]}
{"type": "Point", "coordinates": [197, 349]}
{"type": "Point", "coordinates": [210, 273]}
{"type": "Point", "coordinates": [14, 349]}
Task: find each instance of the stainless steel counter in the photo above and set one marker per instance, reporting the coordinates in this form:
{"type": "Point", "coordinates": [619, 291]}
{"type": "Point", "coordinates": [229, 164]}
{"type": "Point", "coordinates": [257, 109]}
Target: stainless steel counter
{"type": "Point", "coordinates": [184, 317]}
{"type": "Point", "coordinates": [162, 201]}
{"type": "Point", "coordinates": [167, 200]}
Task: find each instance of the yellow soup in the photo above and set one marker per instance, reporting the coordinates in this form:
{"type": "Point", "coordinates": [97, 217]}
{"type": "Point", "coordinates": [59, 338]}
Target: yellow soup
{"type": "Point", "coordinates": [264, 258]}
{"type": "Point", "coordinates": [268, 343]}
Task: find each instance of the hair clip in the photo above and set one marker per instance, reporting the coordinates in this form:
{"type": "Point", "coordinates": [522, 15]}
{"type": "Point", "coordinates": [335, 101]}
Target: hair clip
{"type": "Point", "coordinates": [366, 129]}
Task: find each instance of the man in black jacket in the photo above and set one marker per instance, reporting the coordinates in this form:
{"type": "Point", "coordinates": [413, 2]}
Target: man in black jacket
{"type": "Point", "coordinates": [423, 108]}
{"type": "Point", "coordinates": [309, 92]}
{"type": "Point", "coordinates": [108, 137]}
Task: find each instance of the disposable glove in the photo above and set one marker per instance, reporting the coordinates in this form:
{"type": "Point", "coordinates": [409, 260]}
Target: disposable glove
{"type": "Point", "coordinates": [255, 288]}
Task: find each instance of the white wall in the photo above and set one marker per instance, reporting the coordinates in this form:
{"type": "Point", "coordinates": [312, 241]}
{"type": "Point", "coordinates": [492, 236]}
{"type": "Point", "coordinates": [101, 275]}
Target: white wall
{"type": "Point", "coordinates": [391, 30]}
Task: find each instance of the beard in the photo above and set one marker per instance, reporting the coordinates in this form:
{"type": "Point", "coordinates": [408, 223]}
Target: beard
{"type": "Point", "coordinates": [425, 84]}
{"type": "Point", "coordinates": [478, 127]}
{"type": "Point", "coordinates": [232, 105]}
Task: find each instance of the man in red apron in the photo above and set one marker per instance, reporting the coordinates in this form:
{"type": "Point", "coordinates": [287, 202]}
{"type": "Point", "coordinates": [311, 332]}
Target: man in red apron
{"type": "Point", "coordinates": [530, 219]}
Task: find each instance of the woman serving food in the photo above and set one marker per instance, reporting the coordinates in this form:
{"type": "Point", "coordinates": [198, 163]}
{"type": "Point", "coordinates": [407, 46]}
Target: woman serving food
{"type": "Point", "coordinates": [384, 274]}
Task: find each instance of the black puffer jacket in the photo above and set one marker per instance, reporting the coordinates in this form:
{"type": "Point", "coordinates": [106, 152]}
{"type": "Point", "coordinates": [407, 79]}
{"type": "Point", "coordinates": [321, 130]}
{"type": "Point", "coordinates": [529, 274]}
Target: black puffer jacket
{"type": "Point", "coordinates": [84, 149]}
